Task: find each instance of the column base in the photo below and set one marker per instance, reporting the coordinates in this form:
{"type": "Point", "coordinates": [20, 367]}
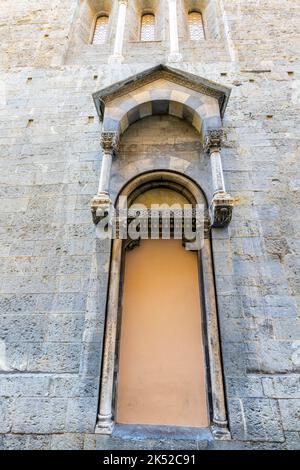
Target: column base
{"type": "Point", "coordinates": [221, 209]}
{"type": "Point", "coordinates": [115, 59]}
{"type": "Point", "coordinates": [105, 425]}
{"type": "Point", "coordinates": [175, 57]}
{"type": "Point", "coordinates": [100, 206]}
{"type": "Point", "coordinates": [220, 431]}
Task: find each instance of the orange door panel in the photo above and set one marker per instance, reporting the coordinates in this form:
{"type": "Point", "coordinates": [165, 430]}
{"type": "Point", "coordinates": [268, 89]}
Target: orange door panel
{"type": "Point", "coordinates": [161, 378]}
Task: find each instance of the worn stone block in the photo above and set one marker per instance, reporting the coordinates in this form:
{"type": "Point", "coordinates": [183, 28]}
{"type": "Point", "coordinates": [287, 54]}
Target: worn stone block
{"type": "Point", "coordinates": [67, 442]}
{"type": "Point", "coordinates": [255, 419]}
{"type": "Point", "coordinates": [290, 412]}
{"type": "Point", "coordinates": [32, 415]}
{"type": "Point", "coordinates": [81, 414]}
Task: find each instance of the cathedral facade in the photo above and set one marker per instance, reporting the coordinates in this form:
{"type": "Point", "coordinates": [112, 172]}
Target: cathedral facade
{"type": "Point", "coordinates": [110, 342]}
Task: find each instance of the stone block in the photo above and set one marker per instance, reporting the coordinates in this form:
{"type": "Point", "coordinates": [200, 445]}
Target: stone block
{"type": "Point", "coordinates": [24, 385]}
{"type": "Point", "coordinates": [290, 412]}
{"type": "Point", "coordinates": [6, 414]}
{"type": "Point", "coordinates": [36, 415]}
{"type": "Point", "coordinates": [81, 415]}
{"type": "Point", "coordinates": [245, 387]}
{"type": "Point", "coordinates": [62, 302]}
{"type": "Point", "coordinates": [65, 328]}
{"type": "Point", "coordinates": [54, 357]}
{"type": "Point", "coordinates": [67, 442]}
{"type": "Point", "coordinates": [17, 303]}
{"type": "Point", "coordinates": [19, 328]}
{"type": "Point", "coordinates": [286, 386]}
{"type": "Point", "coordinates": [287, 329]}
{"type": "Point", "coordinates": [255, 419]}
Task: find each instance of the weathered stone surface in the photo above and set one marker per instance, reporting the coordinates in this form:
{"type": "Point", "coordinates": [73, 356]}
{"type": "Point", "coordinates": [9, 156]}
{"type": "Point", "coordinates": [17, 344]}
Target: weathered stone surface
{"type": "Point", "coordinates": [255, 419]}
{"type": "Point", "coordinates": [54, 272]}
{"type": "Point", "coordinates": [67, 442]}
{"type": "Point", "coordinates": [81, 415]}
{"type": "Point", "coordinates": [30, 416]}
{"type": "Point", "coordinates": [290, 412]}
{"type": "Point", "coordinates": [282, 386]}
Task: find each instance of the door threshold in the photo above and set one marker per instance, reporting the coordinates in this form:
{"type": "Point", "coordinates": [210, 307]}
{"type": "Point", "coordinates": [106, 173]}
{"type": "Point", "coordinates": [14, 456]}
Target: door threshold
{"type": "Point", "coordinates": [141, 431]}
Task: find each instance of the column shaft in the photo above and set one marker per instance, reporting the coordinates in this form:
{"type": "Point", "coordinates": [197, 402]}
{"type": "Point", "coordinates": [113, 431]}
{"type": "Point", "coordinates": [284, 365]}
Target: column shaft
{"type": "Point", "coordinates": [222, 203]}
{"type": "Point", "coordinates": [119, 39]}
{"type": "Point", "coordinates": [105, 423]}
{"type": "Point", "coordinates": [105, 172]}
{"type": "Point", "coordinates": [217, 172]}
{"type": "Point", "coordinates": [174, 55]}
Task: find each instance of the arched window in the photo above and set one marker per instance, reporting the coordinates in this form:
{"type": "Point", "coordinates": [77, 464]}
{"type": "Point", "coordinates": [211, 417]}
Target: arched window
{"type": "Point", "coordinates": [101, 27]}
{"type": "Point", "coordinates": [196, 28]}
{"type": "Point", "coordinates": [148, 27]}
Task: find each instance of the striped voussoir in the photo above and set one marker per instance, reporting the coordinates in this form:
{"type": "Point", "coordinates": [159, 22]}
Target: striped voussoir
{"type": "Point", "coordinates": [167, 93]}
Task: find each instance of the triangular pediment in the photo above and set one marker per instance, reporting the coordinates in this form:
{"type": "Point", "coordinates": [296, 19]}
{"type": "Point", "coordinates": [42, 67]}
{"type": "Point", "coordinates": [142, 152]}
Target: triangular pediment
{"type": "Point", "coordinates": [179, 77]}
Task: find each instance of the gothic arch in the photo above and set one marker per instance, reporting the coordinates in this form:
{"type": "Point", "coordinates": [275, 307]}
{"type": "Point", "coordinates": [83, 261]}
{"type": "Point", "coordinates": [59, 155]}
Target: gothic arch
{"type": "Point", "coordinates": [218, 419]}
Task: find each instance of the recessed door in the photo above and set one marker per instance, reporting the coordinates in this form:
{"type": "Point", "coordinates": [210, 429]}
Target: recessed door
{"type": "Point", "coordinates": [161, 373]}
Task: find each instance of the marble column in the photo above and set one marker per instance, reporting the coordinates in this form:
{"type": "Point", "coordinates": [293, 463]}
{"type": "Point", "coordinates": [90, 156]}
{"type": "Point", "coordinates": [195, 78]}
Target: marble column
{"type": "Point", "coordinates": [174, 55]}
{"type": "Point", "coordinates": [105, 423]}
{"type": "Point", "coordinates": [222, 203]}
{"type": "Point", "coordinates": [117, 56]}
{"type": "Point", "coordinates": [101, 202]}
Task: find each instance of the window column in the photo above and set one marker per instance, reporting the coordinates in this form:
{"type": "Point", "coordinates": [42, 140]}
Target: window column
{"type": "Point", "coordinates": [174, 55]}
{"type": "Point", "coordinates": [222, 203]}
{"type": "Point", "coordinates": [109, 144]}
{"type": "Point", "coordinates": [117, 56]}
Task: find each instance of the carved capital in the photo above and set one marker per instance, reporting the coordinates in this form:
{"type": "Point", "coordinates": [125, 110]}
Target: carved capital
{"type": "Point", "coordinates": [109, 141]}
{"type": "Point", "coordinates": [221, 210]}
{"type": "Point", "coordinates": [213, 140]}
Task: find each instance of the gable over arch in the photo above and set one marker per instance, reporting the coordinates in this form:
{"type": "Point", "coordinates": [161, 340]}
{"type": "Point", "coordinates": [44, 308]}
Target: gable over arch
{"type": "Point", "coordinates": [162, 90]}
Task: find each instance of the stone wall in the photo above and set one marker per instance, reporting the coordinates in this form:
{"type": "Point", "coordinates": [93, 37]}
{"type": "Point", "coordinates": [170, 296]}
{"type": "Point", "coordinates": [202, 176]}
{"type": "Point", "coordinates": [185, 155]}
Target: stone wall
{"type": "Point", "coordinates": [54, 272]}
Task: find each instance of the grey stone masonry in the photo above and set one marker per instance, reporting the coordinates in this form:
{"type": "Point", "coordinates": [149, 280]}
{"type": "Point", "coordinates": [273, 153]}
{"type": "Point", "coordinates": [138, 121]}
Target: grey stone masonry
{"type": "Point", "coordinates": [53, 270]}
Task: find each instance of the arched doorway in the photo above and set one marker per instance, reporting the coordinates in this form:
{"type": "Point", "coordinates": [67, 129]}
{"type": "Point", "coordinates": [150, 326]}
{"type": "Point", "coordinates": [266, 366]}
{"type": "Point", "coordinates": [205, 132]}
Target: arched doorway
{"type": "Point", "coordinates": [214, 390]}
{"type": "Point", "coordinates": [161, 373]}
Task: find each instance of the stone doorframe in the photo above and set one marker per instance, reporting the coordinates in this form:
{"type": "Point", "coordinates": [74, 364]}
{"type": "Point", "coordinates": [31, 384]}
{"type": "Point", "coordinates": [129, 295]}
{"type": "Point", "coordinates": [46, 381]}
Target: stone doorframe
{"type": "Point", "coordinates": [219, 424]}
